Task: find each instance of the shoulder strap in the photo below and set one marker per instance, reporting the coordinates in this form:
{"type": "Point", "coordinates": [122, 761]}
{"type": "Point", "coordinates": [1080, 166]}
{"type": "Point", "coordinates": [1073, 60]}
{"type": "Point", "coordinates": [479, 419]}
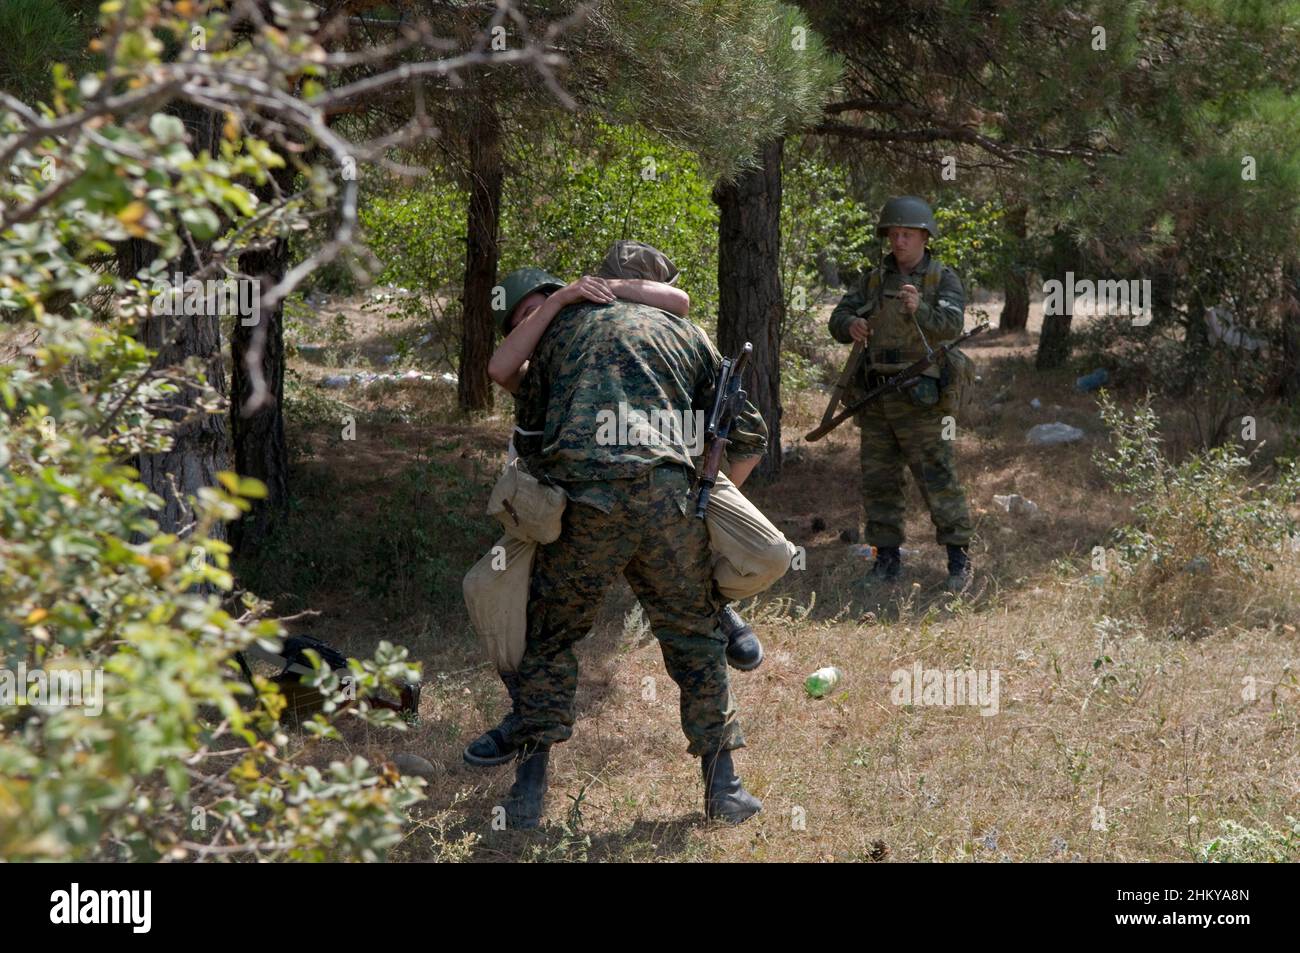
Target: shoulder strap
{"type": "Point", "coordinates": [871, 290]}
{"type": "Point", "coordinates": [930, 286]}
{"type": "Point", "coordinates": [929, 293]}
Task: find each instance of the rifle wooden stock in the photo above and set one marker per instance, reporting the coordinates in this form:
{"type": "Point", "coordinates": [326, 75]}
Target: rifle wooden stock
{"type": "Point", "coordinates": [846, 378]}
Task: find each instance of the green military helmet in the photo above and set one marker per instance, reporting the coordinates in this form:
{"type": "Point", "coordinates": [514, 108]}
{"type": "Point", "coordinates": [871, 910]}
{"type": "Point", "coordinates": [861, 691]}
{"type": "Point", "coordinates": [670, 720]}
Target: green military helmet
{"type": "Point", "coordinates": [518, 285]}
{"type": "Point", "coordinates": [906, 211]}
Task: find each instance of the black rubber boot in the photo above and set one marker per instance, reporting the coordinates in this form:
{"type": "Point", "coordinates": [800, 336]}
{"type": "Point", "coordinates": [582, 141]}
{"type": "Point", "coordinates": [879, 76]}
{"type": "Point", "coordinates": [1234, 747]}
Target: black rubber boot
{"type": "Point", "coordinates": [960, 573]}
{"type": "Point", "coordinates": [888, 565]}
{"type": "Point", "coordinates": [725, 798]}
{"type": "Point", "coordinates": [527, 794]}
{"type": "Point", "coordinates": [497, 745]}
{"type": "Point", "coordinates": [744, 651]}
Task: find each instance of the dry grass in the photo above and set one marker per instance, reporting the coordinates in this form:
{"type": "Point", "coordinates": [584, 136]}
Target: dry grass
{"type": "Point", "coordinates": [1112, 740]}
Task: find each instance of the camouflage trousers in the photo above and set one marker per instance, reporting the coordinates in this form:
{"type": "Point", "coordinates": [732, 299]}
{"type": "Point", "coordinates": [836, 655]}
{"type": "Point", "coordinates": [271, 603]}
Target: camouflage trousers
{"type": "Point", "coordinates": [896, 432]}
{"type": "Point", "coordinates": [641, 528]}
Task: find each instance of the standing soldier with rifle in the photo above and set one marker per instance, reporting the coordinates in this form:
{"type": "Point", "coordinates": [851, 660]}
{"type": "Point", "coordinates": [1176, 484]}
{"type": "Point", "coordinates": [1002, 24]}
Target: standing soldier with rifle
{"type": "Point", "coordinates": [900, 313]}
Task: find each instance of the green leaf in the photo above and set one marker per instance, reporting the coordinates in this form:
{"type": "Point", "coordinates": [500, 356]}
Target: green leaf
{"type": "Point", "coordinates": [167, 128]}
{"type": "Point", "coordinates": [252, 488]}
{"type": "Point", "coordinates": [202, 222]}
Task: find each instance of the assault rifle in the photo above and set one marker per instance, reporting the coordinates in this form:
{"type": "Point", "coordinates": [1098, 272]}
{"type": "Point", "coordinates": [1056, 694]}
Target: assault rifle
{"type": "Point", "coordinates": [727, 403]}
{"type": "Point", "coordinates": [905, 378]}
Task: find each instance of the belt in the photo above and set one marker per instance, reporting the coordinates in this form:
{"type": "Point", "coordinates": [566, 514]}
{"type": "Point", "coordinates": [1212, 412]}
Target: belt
{"type": "Point", "coordinates": [894, 355]}
{"type": "Point", "coordinates": [673, 468]}
{"type": "Point", "coordinates": [664, 472]}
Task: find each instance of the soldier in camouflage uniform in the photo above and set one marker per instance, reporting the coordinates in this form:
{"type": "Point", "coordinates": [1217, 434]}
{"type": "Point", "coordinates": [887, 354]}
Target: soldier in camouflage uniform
{"type": "Point", "coordinates": [597, 377]}
{"type": "Point", "coordinates": [632, 271]}
{"type": "Point", "coordinates": [909, 303]}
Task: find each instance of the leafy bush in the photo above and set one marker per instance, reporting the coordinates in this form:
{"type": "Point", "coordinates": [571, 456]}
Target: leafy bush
{"type": "Point", "coordinates": [419, 236]}
{"type": "Point", "coordinates": [827, 238]}
{"type": "Point", "coordinates": [1239, 844]}
{"type": "Point", "coordinates": [972, 241]}
{"type": "Point", "coordinates": [827, 235]}
{"type": "Point", "coordinates": [567, 204]}
{"type": "Point", "coordinates": [166, 751]}
{"type": "Point", "coordinates": [1208, 542]}
{"type": "Point", "coordinates": [564, 204]}
{"type": "Point", "coordinates": [180, 761]}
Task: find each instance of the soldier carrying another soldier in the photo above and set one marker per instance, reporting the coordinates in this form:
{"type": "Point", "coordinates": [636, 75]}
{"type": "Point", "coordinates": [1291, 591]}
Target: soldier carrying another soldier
{"type": "Point", "coordinates": [749, 553]}
{"type": "Point", "coordinates": [628, 511]}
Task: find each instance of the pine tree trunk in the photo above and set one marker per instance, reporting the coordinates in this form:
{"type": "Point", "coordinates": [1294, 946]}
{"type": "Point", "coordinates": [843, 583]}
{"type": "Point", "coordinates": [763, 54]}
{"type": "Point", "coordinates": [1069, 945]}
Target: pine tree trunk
{"type": "Point", "coordinates": [751, 306]}
{"type": "Point", "coordinates": [481, 254]}
{"type": "Point", "coordinates": [1163, 286]}
{"type": "Point", "coordinates": [259, 441]}
{"type": "Point", "coordinates": [1197, 339]}
{"type": "Point", "coordinates": [1054, 342]}
{"type": "Point", "coordinates": [201, 444]}
{"type": "Point", "coordinates": [1015, 307]}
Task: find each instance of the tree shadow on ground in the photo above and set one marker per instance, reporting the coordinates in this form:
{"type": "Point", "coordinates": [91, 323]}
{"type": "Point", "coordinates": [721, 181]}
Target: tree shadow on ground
{"type": "Point", "coordinates": [555, 841]}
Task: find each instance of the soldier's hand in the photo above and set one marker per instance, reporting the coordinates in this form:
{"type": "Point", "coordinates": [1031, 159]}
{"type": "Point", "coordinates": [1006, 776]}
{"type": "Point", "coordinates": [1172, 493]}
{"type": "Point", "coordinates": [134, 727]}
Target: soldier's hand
{"type": "Point", "coordinates": [589, 288]}
{"type": "Point", "coordinates": [859, 330]}
{"type": "Point", "coordinates": [910, 297]}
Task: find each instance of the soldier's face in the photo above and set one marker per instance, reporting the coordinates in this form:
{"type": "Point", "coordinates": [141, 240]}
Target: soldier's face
{"type": "Point", "coordinates": [526, 307]}
{"type": "Point", "coordinates": [907, 244]}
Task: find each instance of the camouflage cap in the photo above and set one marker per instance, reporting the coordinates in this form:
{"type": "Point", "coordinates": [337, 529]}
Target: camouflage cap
{"type": "Point", "coordinates": [518, 285]}
{"type": "Point", "coordinates": [629, 259]}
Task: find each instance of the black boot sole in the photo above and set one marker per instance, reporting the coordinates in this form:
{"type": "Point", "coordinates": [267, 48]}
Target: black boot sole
{"type": "Point", "coordinates": [497, 737]}
{"type": "Point", "coordinates": [474, 761]}
{"type": "Point", "coordinates": [749, 667]}
{"type": "Point", "coordinates": [732, 819]}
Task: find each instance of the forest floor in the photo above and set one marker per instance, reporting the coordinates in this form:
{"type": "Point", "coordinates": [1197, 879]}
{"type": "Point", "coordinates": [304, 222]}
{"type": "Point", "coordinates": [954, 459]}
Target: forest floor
{"type": "Point", "coordinates": [1111, 740]}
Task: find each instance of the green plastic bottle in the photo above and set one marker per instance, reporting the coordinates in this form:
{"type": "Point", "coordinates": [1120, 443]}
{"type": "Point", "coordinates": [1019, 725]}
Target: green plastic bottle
{"type": "Point", "coordinates": [823, 681]}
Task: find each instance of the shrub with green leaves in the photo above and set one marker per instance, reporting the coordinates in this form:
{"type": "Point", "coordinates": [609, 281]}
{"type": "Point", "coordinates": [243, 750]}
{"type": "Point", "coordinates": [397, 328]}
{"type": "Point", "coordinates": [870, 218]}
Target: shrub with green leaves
{"type": "Point", "coordinates": [1240, 844]}
{"type": "Point", "coordinates": [827, 237]}
{"type": "Point", "coordinates": [972, 241]}
{"type": "Point", "coordinates": [1209, 541]}
{"type": "Point", "coordinates": [418, 233]}
{"type": "Point", "coordinates": [164, 750]}
{"type": "Point", "coordinates": [564, 204]}
{"type": "Point", "coordinates": [570, 203]}
{"type": "Point", "coordinates": [183, 759]}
